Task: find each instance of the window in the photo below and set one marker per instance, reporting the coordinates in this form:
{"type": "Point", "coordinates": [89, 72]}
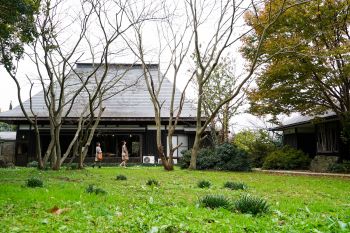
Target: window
{"type": "Point", "coordinates": [177, 140]}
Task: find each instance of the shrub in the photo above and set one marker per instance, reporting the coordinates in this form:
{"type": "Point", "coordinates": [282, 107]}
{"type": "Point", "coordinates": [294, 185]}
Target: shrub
{"type": "Point", "coordinates": [235, 185]}
{"type": "Point", "coordinates": [100, 191]}
{"type": "Point", "coordinates": [121, 177]}
{"type": "Point", "coordinates": [340, 167]}
{"type": "Point", "coordinates": [215, 201]}
{"type": "Point", "coordinates": [33, 164]}
{"type": "Point", "coordinates": [224, 157]}
{"type": "Point", "coordinates": [251, 205]}
{"type": "Point", "coordinates": [184, 162]}
{"type": "Point", "coordinates": [257, 143]}
{"type": "Point", "coordinates": [207, 159]}
{"type": "Point", "coordinates": [232, 158]}
{"type": "Point", "coordinates": [152, 182]}
{"type": "Point", "coordinates": [204, 184]}
{"type": "Point", "coordinates": [287, 158]}
{"type": "Point", "coordinates": [34, 182]}
{"type": "Point", "coordinates": [91, 189]}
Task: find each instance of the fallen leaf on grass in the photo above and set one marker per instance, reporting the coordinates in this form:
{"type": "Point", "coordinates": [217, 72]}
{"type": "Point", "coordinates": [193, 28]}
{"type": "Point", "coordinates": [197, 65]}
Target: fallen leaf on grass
{"type": "Point", "coordinates": [58, 211]}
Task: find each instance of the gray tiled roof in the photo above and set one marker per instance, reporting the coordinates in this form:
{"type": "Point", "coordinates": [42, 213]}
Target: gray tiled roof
{"type": "Point", "coordinates": [134, 102]}
{"type": "Point", "coordinates": [298, 119]}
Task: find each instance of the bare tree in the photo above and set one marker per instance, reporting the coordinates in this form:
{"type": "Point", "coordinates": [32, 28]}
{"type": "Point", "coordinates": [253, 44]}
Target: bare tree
{"type": "Point", "coordinates": [55, 54]}
{"type": "Point", "coordinates": [177, 41]}
{"type": "Point", "coordinates": [226, 15]}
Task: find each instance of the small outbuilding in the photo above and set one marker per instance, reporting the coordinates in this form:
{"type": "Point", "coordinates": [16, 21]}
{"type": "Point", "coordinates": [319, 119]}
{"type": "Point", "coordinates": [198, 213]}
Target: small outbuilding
{"type": "Point", "coordinates": [319, 137]}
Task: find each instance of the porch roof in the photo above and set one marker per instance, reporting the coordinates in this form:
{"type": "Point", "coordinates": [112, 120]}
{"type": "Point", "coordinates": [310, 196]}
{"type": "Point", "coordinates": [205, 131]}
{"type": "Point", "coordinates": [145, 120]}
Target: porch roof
{"type": "Point", "coordinates": [304, 120]}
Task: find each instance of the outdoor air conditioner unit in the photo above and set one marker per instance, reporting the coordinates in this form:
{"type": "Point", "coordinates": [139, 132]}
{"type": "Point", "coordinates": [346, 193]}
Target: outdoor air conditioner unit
{"type": "Point", "coordinates": [160, 161]}
{"type": "Point", "coordinates": [148, 159]}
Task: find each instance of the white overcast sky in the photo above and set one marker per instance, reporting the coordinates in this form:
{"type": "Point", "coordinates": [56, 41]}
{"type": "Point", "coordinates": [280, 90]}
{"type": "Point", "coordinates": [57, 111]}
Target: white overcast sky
{"type": "Point", "coordinates": [8, 90]}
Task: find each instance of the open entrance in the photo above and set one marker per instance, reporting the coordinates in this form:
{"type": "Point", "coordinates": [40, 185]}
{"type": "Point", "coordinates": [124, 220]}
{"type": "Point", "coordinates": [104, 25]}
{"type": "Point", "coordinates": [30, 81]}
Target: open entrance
{"type": "Point", "coordinates": [111, 145]}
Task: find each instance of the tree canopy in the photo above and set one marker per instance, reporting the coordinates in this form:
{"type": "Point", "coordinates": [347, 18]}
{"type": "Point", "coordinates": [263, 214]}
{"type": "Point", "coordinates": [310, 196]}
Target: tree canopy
{"type": "Point", "coordinates": [305, 59]}
{"type": "Point", "coordinates": [16, 27]}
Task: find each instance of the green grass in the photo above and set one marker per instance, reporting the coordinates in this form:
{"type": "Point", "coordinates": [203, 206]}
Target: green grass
{"type": "Point", "coordinates": [297, 203]}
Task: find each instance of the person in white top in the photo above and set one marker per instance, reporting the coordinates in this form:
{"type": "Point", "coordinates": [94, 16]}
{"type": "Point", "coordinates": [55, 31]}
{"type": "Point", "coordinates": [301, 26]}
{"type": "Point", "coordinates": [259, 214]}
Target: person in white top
{"type": "Point", "coordinates": [125, 155]}
{"type": "Point", "coordinates": [98, 155]}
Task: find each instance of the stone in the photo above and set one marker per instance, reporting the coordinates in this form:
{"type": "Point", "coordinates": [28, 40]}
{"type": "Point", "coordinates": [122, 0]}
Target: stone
{"type": "Point", "coordinates": [2, 163]}
{"type": "Point", "coordinates": [321, 163]}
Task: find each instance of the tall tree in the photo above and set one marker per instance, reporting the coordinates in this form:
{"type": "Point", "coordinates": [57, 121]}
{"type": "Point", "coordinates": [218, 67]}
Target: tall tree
{"type": "Point", "coordinates": [174, 39]}
{"type": "Point", "coordinates": [310, 71]}
{"type": "Point", "coordinates": [225, 15]}
{"type": "Point", "coordinates": [59, 45]}
{"type": "Point", "coordinates": [17, 27]}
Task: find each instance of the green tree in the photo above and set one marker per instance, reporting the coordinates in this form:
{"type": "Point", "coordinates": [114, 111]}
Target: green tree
{"type": "Point", "coordinates": [225, 17]}
{"type": "Point", "coordinates": [257, 143]}
{"type": "Point", "coordinates": [16, 28]}
{"type": "Point", "coordinates": [6, 127]}
{"type": "Point", "coordinates": [219, 87]}
{"type": "Point", "coordinates": [306, 61]}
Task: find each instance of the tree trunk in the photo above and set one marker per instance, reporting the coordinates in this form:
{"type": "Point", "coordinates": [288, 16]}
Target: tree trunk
{"type": "Point", "coordinates": [195, 150]}
{"type": "Point", "coordinates": [198, 136]}
{"type": "Point", "coordinates": [57, 163]}
{"type": "Point", "coordinates": [91, 133]}
{"type": "Point", "coordinates": [38, 147]}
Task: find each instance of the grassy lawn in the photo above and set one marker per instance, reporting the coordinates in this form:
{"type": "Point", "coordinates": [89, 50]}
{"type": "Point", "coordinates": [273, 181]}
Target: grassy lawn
{"type": "Point", "coordinates": [297, 203]}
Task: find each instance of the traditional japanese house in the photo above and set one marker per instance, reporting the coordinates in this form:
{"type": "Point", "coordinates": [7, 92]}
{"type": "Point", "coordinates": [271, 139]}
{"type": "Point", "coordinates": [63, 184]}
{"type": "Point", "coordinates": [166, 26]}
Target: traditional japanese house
{"type": "Point", "coordinates": [128, 115]}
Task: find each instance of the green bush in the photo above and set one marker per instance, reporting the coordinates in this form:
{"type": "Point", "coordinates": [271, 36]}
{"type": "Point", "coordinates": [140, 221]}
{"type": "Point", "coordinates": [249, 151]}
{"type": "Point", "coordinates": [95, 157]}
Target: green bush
{"type": "Point", "coordinates": [215, 201]}
{"type": "Point", "coordinates": [121, 177]}
{"type": "Point", "coordinates": [343, 167]}
{"type": "Point", "coordinates": [204, 184]}
{"type": "Point", "coordinates": [257, 143]}
{"type": "Point", "coordinates": [235, 185]}
{"type": "Point", "coordinates": [34, 182]}
{"type": "Point", "coordinates": [232, 158]}
{"type": "Point", "coordinates": [152, 182]}
{"type": "Point", "coordinates": [224, 157]}
{"type": "Point", "coordinates": [91, 189]}
{"type": "Point", "coordinates": [207, 159]}
{"type": "Point", "coordinates": [286, 158]}
{"type": "Point", "coordinates": [100, 191]}
{"type": "Point", "coordinates": [184, 161]}
{"type": "Point", "coordinates": [251, 205]}
{"type": "Point", "coordinates": [33, 164]}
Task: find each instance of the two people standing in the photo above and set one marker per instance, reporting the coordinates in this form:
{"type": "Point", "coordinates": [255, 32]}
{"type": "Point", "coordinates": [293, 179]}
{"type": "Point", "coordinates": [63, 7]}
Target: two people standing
{"type": "Point", "coordinates": [98, 155]}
